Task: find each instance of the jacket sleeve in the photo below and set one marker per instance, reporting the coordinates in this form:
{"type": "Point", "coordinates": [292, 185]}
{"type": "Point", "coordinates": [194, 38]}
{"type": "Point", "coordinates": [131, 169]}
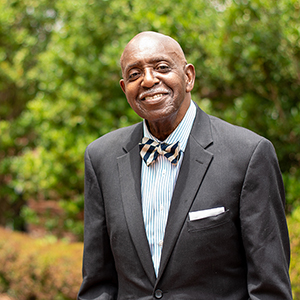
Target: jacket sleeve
{"type": "Point", "coordinates": [263, 227]}
{"type": "Point", "coordinates": [99, 274]}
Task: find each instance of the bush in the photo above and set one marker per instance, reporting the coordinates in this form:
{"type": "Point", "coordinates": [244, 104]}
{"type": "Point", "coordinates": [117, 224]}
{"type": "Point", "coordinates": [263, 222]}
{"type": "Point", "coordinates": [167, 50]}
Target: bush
{"type": "Point", "coordinates": [42, 269]}
{"type": "Point", "coordinates": [39, 269]}
{"type": "Point", "coordinates": [59, 90]}
{"type": "Point", "coordinates": [292, 188]}
{"type": "Point", "coordinates": [294, 227]}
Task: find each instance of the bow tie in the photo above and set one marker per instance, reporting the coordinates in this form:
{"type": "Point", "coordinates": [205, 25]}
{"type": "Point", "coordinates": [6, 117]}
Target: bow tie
{"type": "Point", "coordinates": [149, 150]}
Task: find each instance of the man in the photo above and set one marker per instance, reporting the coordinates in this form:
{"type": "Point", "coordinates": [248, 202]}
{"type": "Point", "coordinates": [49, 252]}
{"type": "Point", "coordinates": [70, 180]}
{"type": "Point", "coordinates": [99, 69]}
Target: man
{"type": "Point", "coordinates": [203, 222]}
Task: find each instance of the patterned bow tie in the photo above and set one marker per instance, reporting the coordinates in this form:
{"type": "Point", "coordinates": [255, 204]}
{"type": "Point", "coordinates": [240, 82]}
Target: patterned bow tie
{"type": "Point", "coordinates": [149, 150]}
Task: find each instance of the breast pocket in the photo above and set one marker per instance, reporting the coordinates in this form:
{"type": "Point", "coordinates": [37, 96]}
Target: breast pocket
{"type": "Point", "coordinates": [209, 222]}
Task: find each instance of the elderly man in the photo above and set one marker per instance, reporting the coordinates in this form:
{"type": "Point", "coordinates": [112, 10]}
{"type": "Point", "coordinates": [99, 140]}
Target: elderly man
{"type": "Point", "coordinates": [182, 205]}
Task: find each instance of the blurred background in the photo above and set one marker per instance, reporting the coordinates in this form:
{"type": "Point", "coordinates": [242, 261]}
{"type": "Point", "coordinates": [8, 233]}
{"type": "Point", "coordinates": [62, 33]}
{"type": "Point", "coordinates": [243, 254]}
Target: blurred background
{"type": "Point", "coordinates": [59, 91]}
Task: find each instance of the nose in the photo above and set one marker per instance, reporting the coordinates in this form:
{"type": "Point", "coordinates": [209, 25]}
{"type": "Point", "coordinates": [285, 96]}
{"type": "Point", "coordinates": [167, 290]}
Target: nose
{"type": "Point", "coordinates": [149, 79]}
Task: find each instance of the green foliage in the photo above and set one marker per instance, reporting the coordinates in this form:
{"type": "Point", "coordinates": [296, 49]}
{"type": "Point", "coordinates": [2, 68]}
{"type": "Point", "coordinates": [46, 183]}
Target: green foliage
{"type": "Point", "coordinates": [261, 51]}
{"type": "Point", "coordinates": [59, 85]}
{"type": "Point", "coordinates": [294, 230]}
{"type": "Point", "coordinates": [24, 33]}
{"type": "Point", "coordinates": [39, 268]}
{"type": "Point", "coordinates": [292, 187]}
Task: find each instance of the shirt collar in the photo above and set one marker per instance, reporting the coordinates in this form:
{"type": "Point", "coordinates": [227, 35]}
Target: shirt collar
{"type": "Point", "coordinates": [182, 131]}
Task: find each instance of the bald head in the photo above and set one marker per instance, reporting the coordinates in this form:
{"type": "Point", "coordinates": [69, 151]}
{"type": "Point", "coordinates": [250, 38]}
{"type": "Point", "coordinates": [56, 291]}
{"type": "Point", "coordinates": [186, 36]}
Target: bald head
{"type": "Point", "coordinates": [157, 81]}
{"type": "Point", "coordinates": [145, 41]}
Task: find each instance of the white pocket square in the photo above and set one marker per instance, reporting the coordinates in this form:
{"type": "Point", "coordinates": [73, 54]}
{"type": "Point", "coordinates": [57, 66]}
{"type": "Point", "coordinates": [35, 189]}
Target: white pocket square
{"type": "Point", "coordinates": [201, 214]}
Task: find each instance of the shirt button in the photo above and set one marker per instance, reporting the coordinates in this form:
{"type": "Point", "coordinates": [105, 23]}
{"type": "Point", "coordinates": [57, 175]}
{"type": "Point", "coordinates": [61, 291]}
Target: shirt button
{"type": "Point", "coordinates": [164, 172]}
{"type": "Point", "coordinates": [158, 294]}
{"type": "Point", "coordinates": [160, 243]}
{"type": "Point", "coordinates": [161, 208]}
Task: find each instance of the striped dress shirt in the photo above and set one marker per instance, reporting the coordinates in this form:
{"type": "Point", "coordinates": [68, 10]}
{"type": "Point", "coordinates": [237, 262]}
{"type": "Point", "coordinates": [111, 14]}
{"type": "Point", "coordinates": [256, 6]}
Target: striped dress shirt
{"type": "Point", "coordinates": [158, 183]}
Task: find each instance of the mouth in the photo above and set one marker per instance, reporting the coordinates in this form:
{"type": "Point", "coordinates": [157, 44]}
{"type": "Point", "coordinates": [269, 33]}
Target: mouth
{"type": "Point", "coordinates": [157, 96]}
{"type": "Point", "coordinates": [153, 95]}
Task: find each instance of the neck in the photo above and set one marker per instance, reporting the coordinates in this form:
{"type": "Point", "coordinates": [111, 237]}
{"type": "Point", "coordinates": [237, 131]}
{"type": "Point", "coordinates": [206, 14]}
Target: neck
{"type": "Point", "coordinates": [162, 128]}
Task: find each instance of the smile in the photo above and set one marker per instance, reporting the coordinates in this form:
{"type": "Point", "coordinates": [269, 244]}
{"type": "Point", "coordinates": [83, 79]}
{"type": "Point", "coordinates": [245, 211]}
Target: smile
{"type": "Point", "coordinates": [153, 97]}
{"type": "Point", "coordinates": [153, 94]}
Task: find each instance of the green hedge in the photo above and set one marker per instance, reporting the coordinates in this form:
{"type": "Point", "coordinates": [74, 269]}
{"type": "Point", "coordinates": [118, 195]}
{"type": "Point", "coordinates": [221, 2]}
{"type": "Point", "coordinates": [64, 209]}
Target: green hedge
{"type": "Point", "coordinates": [39, 269]}
{"type": "Point", "coordinates": [45, 269]}
{"type": "Point", "coordinates": [294, 228]}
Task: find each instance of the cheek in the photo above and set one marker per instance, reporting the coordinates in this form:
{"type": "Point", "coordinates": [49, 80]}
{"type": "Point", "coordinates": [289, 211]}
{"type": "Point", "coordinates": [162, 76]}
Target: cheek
{"type": "Point", "coordinates": [131, 91]}
{"type": "Point", "coordinates": [131, 97]}
{"type": "Point", "coordinates": [178, 84]}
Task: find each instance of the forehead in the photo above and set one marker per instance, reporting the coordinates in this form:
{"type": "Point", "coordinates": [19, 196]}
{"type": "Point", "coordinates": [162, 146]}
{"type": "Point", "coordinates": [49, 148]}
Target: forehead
{"type": "Point", "coordinates": [147, 50]}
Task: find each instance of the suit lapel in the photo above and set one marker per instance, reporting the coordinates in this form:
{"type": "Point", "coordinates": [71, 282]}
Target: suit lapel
{"type": "Point", "coordinates": [194, 166]}
{"type": "Point", "coordinates": [130, 180]}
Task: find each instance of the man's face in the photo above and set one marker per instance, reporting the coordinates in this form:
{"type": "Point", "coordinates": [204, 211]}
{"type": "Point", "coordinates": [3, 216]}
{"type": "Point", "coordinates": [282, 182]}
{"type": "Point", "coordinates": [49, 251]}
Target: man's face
{"type": "Point", "coordinates": [156, 79]}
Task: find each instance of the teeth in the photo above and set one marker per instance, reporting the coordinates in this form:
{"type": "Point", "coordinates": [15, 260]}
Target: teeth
{"type": "Point", "coordinates": [154, 97]}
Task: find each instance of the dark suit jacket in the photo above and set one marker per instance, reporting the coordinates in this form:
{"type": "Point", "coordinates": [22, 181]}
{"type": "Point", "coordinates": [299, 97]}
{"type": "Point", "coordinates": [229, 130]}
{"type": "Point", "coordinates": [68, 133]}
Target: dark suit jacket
{"type": "Point", "coordinates": [240, 254]}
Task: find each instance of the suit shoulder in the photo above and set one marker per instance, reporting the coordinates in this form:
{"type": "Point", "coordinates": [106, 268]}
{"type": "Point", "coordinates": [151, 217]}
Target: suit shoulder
{"type": "Point", "coordinates": [233, 133]}
{"type": "Point", "coordinates": [241, 141]}
{"type": "Point", "coordinates": [115, 139]}
{"type": "Point", "coordinates": [238, 144]}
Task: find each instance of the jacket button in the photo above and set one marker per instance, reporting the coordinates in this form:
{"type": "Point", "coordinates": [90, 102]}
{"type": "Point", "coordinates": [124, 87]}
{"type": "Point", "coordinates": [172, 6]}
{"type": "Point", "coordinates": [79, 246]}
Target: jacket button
{"type": "Point", "coordinates": [158, 294]}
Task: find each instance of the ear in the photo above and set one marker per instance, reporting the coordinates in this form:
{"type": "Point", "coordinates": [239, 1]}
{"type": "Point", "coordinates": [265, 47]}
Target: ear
{"type": "Point", "coordinates": [190, 77]}
{"type": "Point", "coordinates": [122, 84]}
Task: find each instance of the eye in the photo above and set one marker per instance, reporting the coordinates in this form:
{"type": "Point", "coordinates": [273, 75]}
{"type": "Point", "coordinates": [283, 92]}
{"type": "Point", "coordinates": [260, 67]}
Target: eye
{"type": "Point", "coordinates": [133, 74]}
{"type": "Point", "coordinates": [163, 68]}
